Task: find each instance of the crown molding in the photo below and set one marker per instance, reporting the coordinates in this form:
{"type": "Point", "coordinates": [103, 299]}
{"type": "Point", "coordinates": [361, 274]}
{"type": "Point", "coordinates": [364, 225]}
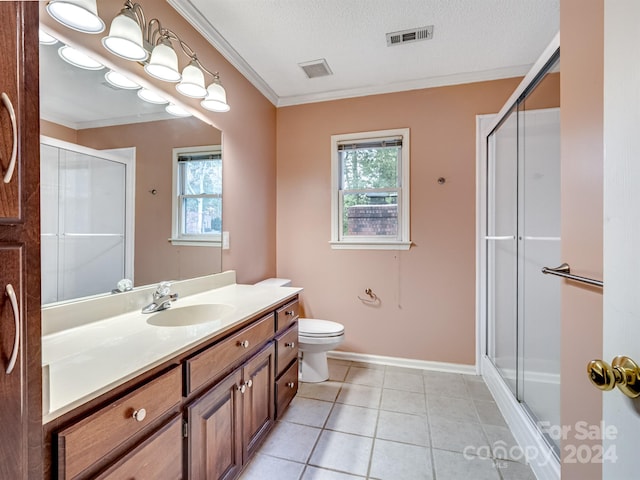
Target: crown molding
{"type": "Point", "coordinates": [441, 81]}
{"type": "Point", "coordinates": [195, 17]}
{"type": "Point", "coordinates": [108, 122]}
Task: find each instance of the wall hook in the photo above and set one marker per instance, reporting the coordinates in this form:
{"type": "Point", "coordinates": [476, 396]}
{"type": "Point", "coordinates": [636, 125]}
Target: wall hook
{"type": "Point", "coordinates": [153, 191]}
{"type": "Point", "coordinates": [442, 180]}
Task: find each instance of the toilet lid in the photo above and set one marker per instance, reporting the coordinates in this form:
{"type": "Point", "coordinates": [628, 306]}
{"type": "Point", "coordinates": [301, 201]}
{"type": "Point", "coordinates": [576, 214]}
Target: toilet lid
{"type": "Point", "coordinates": [311, 327]}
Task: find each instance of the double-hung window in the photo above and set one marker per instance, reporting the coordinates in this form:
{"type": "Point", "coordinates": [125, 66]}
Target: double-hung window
{"type": "Point", "coordinates": [370, 194]}
{"type": "Point", "coordinates": [197, 196]}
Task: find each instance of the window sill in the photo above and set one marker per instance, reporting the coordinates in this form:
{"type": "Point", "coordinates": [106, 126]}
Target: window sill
{"type": "Point", "coordinates": [370, 245]}
{"type": "Point", "coordinates": [195, 242]}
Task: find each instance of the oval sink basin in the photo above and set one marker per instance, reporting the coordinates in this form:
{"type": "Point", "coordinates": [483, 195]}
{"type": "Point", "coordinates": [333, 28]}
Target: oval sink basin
{"type": "Point", "coordinates": [190, 315]}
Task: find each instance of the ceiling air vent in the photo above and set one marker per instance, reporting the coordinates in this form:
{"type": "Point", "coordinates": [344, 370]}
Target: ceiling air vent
{"type": "Point", "coordinates": [411, 35]}
{"type": "Point", "coordinates": [316, 68]}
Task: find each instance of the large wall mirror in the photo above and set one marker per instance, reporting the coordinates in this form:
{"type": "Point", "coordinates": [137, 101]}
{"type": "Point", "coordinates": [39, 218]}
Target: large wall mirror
{"type": "Point", "coordinates": [107, 169]}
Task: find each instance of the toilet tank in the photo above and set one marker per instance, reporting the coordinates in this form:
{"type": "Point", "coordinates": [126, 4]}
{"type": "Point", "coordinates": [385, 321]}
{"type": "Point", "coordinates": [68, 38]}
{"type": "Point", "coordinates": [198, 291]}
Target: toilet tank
{"type": "Point", "coordinates": [275, 282]}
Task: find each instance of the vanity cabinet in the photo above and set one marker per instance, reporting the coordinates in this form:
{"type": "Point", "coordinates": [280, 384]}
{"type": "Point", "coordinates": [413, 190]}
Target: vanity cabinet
{"type": "Point", "coordinates": [228, 422]}
{"type": "Point", "coordinates": [287, 367]}
{"type": "Point", "coordinates": [202, 415]}
{"type": "Point", "coordinates": [20, 369]}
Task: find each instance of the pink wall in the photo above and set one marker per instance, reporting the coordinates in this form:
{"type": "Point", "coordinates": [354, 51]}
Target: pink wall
{"type": "Point", "coordinates": [428, 293]}
{"type": "Point", "coordinates": [582, 153]}
{"type": "Point", "coordinates": [248, 138]}
{"type": "Point", "coordinates": [155, 258]}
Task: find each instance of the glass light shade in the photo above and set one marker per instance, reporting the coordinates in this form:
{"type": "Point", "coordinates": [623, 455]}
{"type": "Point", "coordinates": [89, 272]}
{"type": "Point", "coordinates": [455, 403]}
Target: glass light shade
{"type": "Point", "coordinates": [78, 59]}
{"type": "Point", "coordinates": [177, 111]}
{"type": "Point", "coordinates": [216, 99]}
{"type": "Point", "coordinates": [192, 83]}
{"type": "Point", "coordinates": [151, 96]}
{"type": "Point", "coordinates": [163, 63]}
{"type": "Point", "coordinates": [119, 80]}
{"type": "Point", "coordinates": [81, 15]}
{"type": "Point", "coordinates": [45, 39]}
{"type": "Point", "coordinates": [125, 37]}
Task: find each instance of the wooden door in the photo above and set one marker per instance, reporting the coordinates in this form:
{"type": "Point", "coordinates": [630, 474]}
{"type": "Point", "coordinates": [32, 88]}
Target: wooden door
{"type": "Point", "coordinates": [21, 385]}
{"type": "Point", "coordinates": [258, 402]}
{"type": "Point", "coordinates": [215, 434]}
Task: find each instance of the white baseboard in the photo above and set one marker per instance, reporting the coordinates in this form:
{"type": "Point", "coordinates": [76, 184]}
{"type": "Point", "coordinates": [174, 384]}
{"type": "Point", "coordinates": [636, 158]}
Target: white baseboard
{"type": "Point", "coordinates": [543, 462]}
{"type": "Point", "coordinates": [404, 362]}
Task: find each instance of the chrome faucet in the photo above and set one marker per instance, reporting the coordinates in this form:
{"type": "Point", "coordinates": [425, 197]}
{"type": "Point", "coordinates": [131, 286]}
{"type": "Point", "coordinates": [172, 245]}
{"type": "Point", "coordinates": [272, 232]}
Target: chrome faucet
{"type": "Point", "coordinates": [162, 298]}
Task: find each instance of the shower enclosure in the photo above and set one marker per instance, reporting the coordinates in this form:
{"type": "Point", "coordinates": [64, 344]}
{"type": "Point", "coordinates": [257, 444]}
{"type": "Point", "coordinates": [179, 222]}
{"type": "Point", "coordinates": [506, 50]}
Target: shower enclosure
{"type": "Point", "coordinates": [86, 219]}
{"type": "Point", "coordinates": [519, 235]}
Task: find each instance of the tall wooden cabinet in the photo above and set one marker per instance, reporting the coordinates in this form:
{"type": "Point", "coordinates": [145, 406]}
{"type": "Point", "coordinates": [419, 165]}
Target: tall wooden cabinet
{"type": "Point", "coordinates": [20, 358]}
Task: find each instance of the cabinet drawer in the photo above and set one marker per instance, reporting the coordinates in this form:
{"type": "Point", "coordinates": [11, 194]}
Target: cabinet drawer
{"type": "Point", "coordinates": [160, 456]}
{"type": "Point", "coordinates": [286, 388]}
{"type": "Point", "coordinates": [90, 439]}
{"type": "Point", "coordinates": [218, 359]}
{"type": "Point", "coordinates": [286, 315]}
{"type": "Point", "coordinates": [286, 348]}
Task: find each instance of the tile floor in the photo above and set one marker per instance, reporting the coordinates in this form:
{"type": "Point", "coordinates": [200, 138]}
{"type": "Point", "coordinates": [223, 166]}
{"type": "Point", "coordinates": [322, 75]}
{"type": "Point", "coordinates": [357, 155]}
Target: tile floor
{"type": "Point", "coordinates": [387, 423]}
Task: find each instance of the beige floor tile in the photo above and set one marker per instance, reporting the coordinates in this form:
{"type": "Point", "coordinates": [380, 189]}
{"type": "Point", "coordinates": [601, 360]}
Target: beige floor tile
{"type": "Point", "coordinates": [403, 427]}
{"type": "Point", "coordinates": [394, 461]}
{"type": "Point", "coordinates": [353, 419]}
{"type": "Point", "coordinates": [342, 452]}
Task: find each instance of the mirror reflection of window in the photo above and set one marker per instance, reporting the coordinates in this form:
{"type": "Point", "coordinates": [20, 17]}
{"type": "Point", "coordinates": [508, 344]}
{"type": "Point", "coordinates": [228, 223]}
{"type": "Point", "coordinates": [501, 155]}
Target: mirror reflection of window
{"type": "Point", "coordinates": [197, 199]}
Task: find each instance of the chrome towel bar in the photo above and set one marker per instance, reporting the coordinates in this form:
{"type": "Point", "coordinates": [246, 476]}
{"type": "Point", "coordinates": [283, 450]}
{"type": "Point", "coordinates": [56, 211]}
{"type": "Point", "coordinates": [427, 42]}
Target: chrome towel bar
{"type": "Point", "coordinates": [564, 271]}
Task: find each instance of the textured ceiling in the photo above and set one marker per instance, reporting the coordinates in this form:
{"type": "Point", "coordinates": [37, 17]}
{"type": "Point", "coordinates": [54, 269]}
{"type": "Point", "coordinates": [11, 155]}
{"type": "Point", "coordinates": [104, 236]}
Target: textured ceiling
{"type": "Point", "coordinates": [473, 40]}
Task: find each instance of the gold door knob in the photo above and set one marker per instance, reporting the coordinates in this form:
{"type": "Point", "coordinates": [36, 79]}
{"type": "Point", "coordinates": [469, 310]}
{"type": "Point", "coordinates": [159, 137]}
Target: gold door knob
{"type": "Point", "coordinates": [623, 373]}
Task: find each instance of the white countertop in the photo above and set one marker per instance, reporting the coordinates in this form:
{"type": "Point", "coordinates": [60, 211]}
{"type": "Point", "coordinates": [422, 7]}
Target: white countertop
{"type": "Point", "coordinates": [85, 361]}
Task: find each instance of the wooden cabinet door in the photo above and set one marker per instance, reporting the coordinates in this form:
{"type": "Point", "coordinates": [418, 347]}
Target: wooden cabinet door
{"type": "Point", "coordinates": [12, 434]}
{"type": "Point", "coordinates": [258, 411]}
{"type": "Point", "coordinates": [20, 390]}
{"type": "Point", "coordinates": [10, 36]}
{"type": "Point", "coordinates": [215, 435]}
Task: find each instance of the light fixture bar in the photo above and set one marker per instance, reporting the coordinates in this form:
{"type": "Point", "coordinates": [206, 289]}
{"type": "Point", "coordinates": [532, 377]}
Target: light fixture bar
{"type": "Point", "coordinates": [133, 38]}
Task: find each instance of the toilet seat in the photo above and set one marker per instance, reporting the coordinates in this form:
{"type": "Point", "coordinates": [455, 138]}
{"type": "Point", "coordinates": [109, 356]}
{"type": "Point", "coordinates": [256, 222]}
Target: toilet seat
{"type": "Point", "coordinates": [314, 328]}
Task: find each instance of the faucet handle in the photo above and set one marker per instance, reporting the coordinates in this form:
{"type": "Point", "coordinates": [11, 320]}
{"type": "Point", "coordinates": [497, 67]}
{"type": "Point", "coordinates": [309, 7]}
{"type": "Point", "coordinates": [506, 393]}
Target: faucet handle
{"type": "Point", "coordinates": [163, 289]}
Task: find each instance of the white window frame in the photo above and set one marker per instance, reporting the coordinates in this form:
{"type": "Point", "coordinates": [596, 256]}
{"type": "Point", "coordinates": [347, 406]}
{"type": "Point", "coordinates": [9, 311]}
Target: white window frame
{"type": "Point", "coordinates": [403, 242]}
{"type": "Point", "coordinates": [177, 238]}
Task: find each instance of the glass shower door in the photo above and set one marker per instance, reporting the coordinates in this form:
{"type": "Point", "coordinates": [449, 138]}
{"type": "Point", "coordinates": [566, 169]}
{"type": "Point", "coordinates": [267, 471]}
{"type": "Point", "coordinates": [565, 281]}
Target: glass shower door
{"type": "Point", "coordinates": [502, 255]}
{"type": "Point", "coordinates": [523, 236]}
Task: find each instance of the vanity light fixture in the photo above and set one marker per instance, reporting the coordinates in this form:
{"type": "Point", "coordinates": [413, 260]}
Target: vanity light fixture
{"type": "Point", "coordinates": [163, 63]}
{"type": "Point", "coordinates": [192, 83]}
{"type": "Point", "coordinates": [81, 15]}
{"type": "Point", "coordinates": [151, 96]}
{"type": "Point", "coordinates": [133, 38]}
{"type": "Point", "coordinates": [45, 39]}
{"type": "Point", "coordinates": [119, 80]}
{"type": "Point", "coordinates": [125, 37]}
{"type": "Point", "coordinates": [78, 59]}
{"type": "Point", "coordinates": [177, 111]}
{"type": "Point", "coordinates": [216, 99]}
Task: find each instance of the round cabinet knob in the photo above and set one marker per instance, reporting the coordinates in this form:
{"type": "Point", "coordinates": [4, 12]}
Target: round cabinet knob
{"type": "Point", "coordinates": [290, 344]}
{"type": "Point", "coordinates": [244, 344]}
{"type": "Point", "coordinates": [291, 313]}
{"type": "Point", "coordinates": [249, 383]}
{"type": "Point", "coordinates": [242, 388]}
{"type": "Point", "coordinates": [291, 384]}
{"type": "Point", "coordinates": [139, 415]}
{"type": "Point", "coordinates": [623, 373]}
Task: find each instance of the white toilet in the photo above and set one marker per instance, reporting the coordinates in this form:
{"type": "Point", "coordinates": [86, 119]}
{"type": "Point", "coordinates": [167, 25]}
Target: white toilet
{"type": "Point", "coordinates": [315, 339]}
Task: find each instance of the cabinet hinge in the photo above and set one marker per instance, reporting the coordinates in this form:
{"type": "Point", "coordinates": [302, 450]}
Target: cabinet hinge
{"type": "Point", "coordinates": [185, 429]}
